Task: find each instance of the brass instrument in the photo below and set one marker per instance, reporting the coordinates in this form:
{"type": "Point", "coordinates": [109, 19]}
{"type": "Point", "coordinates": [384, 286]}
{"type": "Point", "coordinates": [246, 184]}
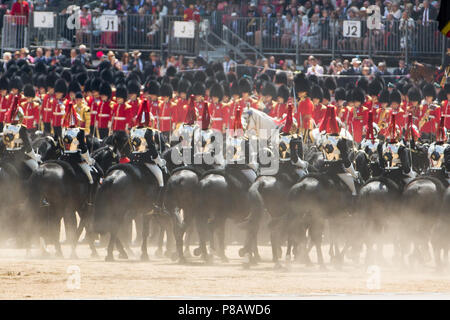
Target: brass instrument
{"type": "Point", "coordinates": [382, 124]}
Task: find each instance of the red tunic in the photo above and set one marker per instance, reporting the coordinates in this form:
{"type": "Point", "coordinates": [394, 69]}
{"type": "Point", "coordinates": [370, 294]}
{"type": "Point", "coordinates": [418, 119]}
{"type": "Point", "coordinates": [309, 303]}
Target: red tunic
{"type": "Point", "coordinates": [279, 110]}
{"type": "Point", "coordinates": [4, 104]}
{"type": "Point", "coordinates": [154, 110]}
{"type": "Point", "coordinates": [168, 116]}
{"type": "Point", "coordinates": [134, 108]}
{"type": "Point", "coordinates": [121, 119]}
{"type": "Point", "coordinates": [445, 111]}
{"type": "Point", "coordinates": [219, 114]}
{"type": "Point", "coordinates": [58, 111]}
{"type": "Point", "coordinates": [30, 114]}
{"type": "Point", "coordinates": [47, 112]}
{"type": "Point", "coordinates": [199, 110]}
{"type": "Point", "coordinates": [319, 112]}
{"type": "Point", "coordinates": [105, 110]}
{"type": "Point", "coordinates": [357, 121]}
{"type": "Point", "coordinates": [182, 107]}
{"type": "Point", "coordinates": [305, 108]}
{"type": "Point", "coordinates": [21, 10]}
{"type": "Point", "coordinates": [434, 116]}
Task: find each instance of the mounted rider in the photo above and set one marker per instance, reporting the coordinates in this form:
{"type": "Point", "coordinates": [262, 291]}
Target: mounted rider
{"type": "Point", "coordinates": [394, 156]}
{"type": "Point", "coordinates": [148, 143]}
{"type": "Point", "coordinates": [75, 150]}
{"type": "Point", "coordinates": [16, 137]}
{"type": "Point", "coordinates": [439, 154]}
{"type": "Point", "coordinates": [291, 146]}
{"type": "Point", "coordinates": [334, 144]}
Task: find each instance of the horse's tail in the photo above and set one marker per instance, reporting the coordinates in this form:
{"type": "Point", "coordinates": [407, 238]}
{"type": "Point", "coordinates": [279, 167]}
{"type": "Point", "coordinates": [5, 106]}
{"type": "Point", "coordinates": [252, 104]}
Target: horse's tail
{"type": "Point", "coordinates": [256, 203]}
{"type": "Point", "coordinates": [102, 212]}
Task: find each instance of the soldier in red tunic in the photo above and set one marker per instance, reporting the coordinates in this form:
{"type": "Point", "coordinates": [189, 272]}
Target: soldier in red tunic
{"type": "Point", "coordinates": [413, 107]}
{"type": "Point", "coordinates": [30, 109]}
{"type": "Point", "coordinates": [305, 107]}
{"type": "Point", "coordinates": [358, 116]}
{"type": "Point", "coordinates": [4, 90]}
{"type": "Point", "coordinates": [168, 111]}
{"type": "Point", "coordinates": [198, 90]}
{"type": "Point", "coordinates": [184, 87]}
{"type": "Point", "coordinates": [281, 106]}
{"type": "Point", "coordinates": [121, 118]}
{"type": "Point", "coordinates": [134, 90]}
{"type": "Point", "coordinates": [431, 113]}
{"type": "Point", "coordinates": [105, 110]}
{"type": "Point", "coordinates": [93, 104]}
{"type": "Point", "coordinates": [216, 109]}
{"type": "Point", "coordinates": [152, 93]}
{"type": "Point", "coordinates": [445, 106]}
{"type": "Point", "coordinates": [319, 108]}
{"type": "Point", "coordinates": [58, 109]}
{"type": "Point", "coordinates": [269, 93]}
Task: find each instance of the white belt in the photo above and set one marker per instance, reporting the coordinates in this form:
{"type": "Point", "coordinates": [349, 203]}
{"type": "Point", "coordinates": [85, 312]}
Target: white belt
{"type": "Point", "coordinates": [28, 117]}
{"type": "Point", "coordinates": [120, 118]}
{"type": "Point", "coordinates": [47, 109]}
{"type": "Point", "coordinates": [3, 110]}
{"type": "Point", "coordinates": [445, 115]}
{"type": "Point", "coordinates": [216, 119]}
{"type": "Point", "coordinates": [165, 118]}
{"type": "Point", "coordinates": [93, 112]}
{"type": "Point", "coordinates": [103, 115]}
{"type": "Point", "coordinates": [58, 113]}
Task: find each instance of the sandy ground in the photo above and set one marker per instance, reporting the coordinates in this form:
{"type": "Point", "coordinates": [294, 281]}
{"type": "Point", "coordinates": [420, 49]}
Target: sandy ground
{"type": "Point", "coordinates": [35, 278]}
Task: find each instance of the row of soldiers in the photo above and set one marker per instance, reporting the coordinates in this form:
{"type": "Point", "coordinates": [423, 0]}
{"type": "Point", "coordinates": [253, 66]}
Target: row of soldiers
{"type": "Point", "coordinates": [107, 101]}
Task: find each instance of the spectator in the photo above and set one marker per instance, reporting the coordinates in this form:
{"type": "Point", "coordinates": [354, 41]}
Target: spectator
{"type": "Point", "coordinates": [6, 58]}
{"type": "Point", "coordinates": [20, 11]}
{"type": "Point", "coordinates": [402, 70]}
{"type": "Point", "coordinates": [47, 56]}
{"type": "Point", "coordinates": [125, 61]}
{"type": "Point", "coordinates": [406, 29]}
{"type": "Point", "coordinates": [85, 22]}
{"type": "Point", "coordinates": [287, 30]}
{"type": "Point", "coordinates": [227, 63]}
{"type": "Point", "coordinates": [115, 63]}
{"type": "Point", "coordinates": [84, 57]}
{"type": "Point", "coordinates": [314, 68]}
{"type": "Point", "coordinates": [59, 56]}
{"type": "Point", "coordinates": [73, 57]}
{"type": "Point", "coordinates": [39, 55]}
{"type": "Point", "coordinates": [313, 35]}
{"type": "Point", "coordinates": [136, 61]}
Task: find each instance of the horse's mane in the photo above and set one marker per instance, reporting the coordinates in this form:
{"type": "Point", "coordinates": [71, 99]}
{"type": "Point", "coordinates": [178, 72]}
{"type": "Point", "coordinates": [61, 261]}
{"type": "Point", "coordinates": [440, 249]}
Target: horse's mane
{"type": "Point", "coordinates": [440, 187]}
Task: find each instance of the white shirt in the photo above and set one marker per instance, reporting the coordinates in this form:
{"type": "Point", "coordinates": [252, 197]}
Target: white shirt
{"type": "Point", "coordinates": [227, 65]}
{"type": "Point", "coordinates": [317, 70]}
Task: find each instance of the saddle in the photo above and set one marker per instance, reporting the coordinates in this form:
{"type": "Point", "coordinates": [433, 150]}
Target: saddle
{"type": "Point", "coordinates": [233, 176]}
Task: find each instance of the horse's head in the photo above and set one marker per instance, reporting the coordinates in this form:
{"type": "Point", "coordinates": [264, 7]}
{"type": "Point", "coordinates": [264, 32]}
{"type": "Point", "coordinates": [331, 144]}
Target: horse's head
{"type": "Point", "coordinates": [47, 148]}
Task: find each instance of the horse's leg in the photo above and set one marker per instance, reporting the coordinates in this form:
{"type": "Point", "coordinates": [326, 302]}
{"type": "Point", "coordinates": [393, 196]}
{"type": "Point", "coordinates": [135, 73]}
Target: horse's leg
{"type": "Point", "coordinates": [170, 237]}
{"type": "Point", "coordinates": [122, 253]}
{"type": "Point", "coordinates": [202, 229]}
{"type": "Point", "coordinates": [159, 251]}
{"type": "Point", "coordinates": [179, 231]}
{"type": "Point", "coordinates": [145, 232]}
{"type": "Point", "coordinates": [221, 241]}
{"type": "Point", "coordinates": [110, 250]}
{"type": "Point", "coordinates": [70, 223]}
{"type": "Point", "coordinates": [55, 232]}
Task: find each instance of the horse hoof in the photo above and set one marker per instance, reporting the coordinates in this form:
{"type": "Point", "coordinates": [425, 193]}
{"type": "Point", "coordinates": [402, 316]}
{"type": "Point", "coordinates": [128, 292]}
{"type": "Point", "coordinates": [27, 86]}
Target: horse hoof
{"type": "Point", "coordinates": [209, 259]}
{"type": "Point", "coordinates": [242, 252]}
{"type": "Point", "coordinates": [109, 258]}
{"type": "Point", "coordinates": [159, 253]}
{"type": "Point", "coordinates": [174, 256]}
{"type": "Point", "coordinates": [94, 255]}
{"type": "Point", "coordinates": [277, 266]}
{"type": "Point", "coordinates": [224, 259]}
{"type": "Point", "coordinates": [257, 258]}
{"type": "Point", "coordinates": [182, 260]}
{"type": "Point", "coordinates": [323, 268]}
{"type": "Point", "coordinates": [197, 252]}
{"type": "Point", "coordinates": [187, 253]}
{"type": "Point", "coordinates": [288, 258]}
{"type": "Point", "coordinates": [123, 255]}
{"type": "Point", "coordinates": [144, 257]}
{"type": "Point", "coordinates": [168, 254]}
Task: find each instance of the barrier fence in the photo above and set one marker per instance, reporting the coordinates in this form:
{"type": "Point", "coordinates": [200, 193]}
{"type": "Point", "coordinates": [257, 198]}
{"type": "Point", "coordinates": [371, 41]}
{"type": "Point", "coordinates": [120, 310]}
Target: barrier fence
{"type": "Point", "coordinates": [329, 37]}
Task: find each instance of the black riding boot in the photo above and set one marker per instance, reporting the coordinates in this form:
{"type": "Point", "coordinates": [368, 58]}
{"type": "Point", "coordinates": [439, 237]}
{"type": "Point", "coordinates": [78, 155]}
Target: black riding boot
{"type": "Point", "coordinates": [159, 203]}
{"type": "Point", "coordinates": [91, 194]}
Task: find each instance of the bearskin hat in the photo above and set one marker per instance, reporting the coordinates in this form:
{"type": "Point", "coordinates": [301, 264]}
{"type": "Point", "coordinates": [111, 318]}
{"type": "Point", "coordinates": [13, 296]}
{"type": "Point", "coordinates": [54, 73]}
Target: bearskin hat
{"type": "Point", "coordinates": [326, 95]}
{"type": "Point", "coordinates": [330, 83]}
{"type": "Point", "coordinates": [447, 88]}
{"type": "Point", "coordinates": [184, 85]}
{"type": "Point", "coordinates": [217, 66]}
{"type": "Point", "coordinates": [226, 88]}
{"type": "Point", "coordinates": [60, 86]}
{"type": "Point", "coordinates": [74, 87]}
{"type": "Point", "coordinates": [216, 91]}
{"type": "Point", "coordinates": [414, 94]}
{"type": "Point", "coordinates": [4, 83]}
{"type": "Point", "coordinates": [87, 86]}
{"type": "Point", "coordinates": [133, 87]}
{"type": "Point", "coordinates": [41, 81]}
{"type": "Point", "coordinates": [81, 78]}
{"type": "Point", "coordinates": [301, 83]}
{"type": "Point", "coordinates": [105, 64]}
{"type": "Point", "coordinates": [189, 76]}
{"type": "Point", "coordinates": [200, 76]}
{"type": "Point", "coordinates": [395, 96]}
{"type": "Point", "coordinates": [339, 94]}
{"type": "Point", "coordinates": [28, 90]}
{"type": "Point", "coordinates": [429, 91]}
{"type": "Point", "coordinates": [283, 92]}
{"type": "Point", "coordinates": [374, 88]}
{"type": "Point", "coordinates": [316, 92]}
{"type": "Point", "coordinates": [198, 89]}
{"type": "Point", "coordinates": [121, 92]}
{"type": "Point", "coordinates": [383, 97]}
{"type": "Point", "coordinates": [358, 95]}
{"type": "Point", "coordinates": [40, 67]}
{"type": "Point", "coordinates": [269, 90]}
{"type": "Point", "coordinates": [95, 84]}
{"type": "Point", "coordinates": [171, 71]}
{"type": "Point", "coordinates": [234, 88]}
{"type": "Point", "coordinates": [152, 87]}
{"type": "Point", "coordinates": [220, 76]}
{"type": "Point", "coordinates": [259, 85]}
{"type": "Point", "coordinates": [105, 89]}
{"type": "Point", "coordinates": [244, 86]}
{"type": "Point", "coordinates": [209, 82]}
{"type": "Point", "coordinates": [174, 83]}
{"type": "Point", "coordinates": [51, 79]}
{"type": "Point", "coordinates": [11, 70]}
{"type": "Point", "coordinates": [209, 71]}
{"type": "Point", "coordinates": [107, 76]}
{"type": "Point", "coordinates": [67, 76]}
{"type": "Point", "coordinates": [16, 83]}
{"type": "Point", "coordinates": [281, 78]}
{"type": "Point", "coordinates": [313, 79]}
{"type": "Point", "coordinates": [441, 96]}
{"type": "Point", "coordinates": [26, 78]}
{"type": "Point", "coordinates": [231, 77]}
{"type": "Point", "coordinates": [166, 90]}
{"type": "Point", "coordinates": [264, 77]}
{"type": "Point", "coordinates": [363, 83]}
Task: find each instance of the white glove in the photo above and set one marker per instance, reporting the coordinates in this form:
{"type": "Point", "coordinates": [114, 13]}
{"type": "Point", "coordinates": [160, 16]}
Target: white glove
{"type": "Point", "coordinates": [87, 158]}
{"type": "Point", "coordinates": [34, 156]}
{"type": "Point", "coordinates": [160, 162]}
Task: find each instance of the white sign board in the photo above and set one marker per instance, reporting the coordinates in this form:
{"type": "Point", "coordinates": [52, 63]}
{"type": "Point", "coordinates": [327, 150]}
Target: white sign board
{"type": "Point", "coordinates": [43, 19]}
{"type": "Point", "coordinates": [184, 29]}
{"type": "Point", "coordinates": [352, 29]}
{"type": "Point", "coordinates": [373, 17]}
{"type": "Point", "coordinates": [109, 23]}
